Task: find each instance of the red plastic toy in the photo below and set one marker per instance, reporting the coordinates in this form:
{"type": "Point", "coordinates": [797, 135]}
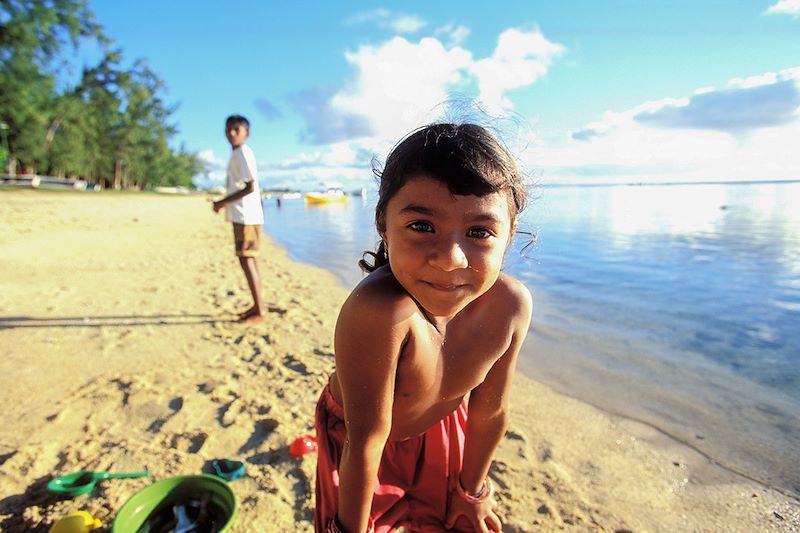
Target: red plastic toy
{"type": "Point", "coordinates": [303, 445]}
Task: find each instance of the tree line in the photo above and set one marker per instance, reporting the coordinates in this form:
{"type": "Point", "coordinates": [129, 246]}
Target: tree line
{"type": "Point", "coordinates": [110, 126]}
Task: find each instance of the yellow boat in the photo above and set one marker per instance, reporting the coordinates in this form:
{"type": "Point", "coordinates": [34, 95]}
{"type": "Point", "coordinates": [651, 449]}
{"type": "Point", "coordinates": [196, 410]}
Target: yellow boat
{"type": "Point", "coordinates": [327, 197]}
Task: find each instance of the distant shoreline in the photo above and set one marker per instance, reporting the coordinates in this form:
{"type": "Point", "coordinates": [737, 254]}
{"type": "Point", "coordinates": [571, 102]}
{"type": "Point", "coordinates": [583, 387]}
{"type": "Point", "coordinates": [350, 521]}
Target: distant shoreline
{"type": "Point", "coordinates": [665, 183]}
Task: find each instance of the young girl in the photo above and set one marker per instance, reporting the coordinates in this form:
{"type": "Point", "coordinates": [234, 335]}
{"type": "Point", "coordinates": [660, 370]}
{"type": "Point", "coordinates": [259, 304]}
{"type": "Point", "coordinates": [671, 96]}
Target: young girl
{"type": "Point", "coordinates": [426, 344]}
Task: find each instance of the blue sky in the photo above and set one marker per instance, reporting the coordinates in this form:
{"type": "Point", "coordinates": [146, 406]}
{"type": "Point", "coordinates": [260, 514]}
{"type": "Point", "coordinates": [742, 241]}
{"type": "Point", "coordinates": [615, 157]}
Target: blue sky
{"type": "Point", "coordinates": [599, 91]}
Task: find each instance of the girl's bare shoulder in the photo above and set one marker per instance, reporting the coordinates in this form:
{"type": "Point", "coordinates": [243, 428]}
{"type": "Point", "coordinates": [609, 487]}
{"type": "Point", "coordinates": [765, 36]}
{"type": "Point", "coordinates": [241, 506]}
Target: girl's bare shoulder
{"type": "Point", "coordinates": [374, 323]}
{"type": "Point", "coordinates": [512, 295]}
{"type": "Point", "coordinates": [380, 296]}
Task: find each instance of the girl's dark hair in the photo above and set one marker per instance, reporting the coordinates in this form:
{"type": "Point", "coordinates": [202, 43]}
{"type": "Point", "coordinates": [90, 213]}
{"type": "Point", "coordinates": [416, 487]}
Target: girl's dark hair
{"type": "Point", "coordinates": [465, 157]}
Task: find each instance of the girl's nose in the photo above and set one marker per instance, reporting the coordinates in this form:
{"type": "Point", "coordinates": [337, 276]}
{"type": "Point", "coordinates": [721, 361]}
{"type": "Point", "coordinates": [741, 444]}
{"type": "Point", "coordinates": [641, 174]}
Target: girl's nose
{"type": "Point", "coordinates": [449, 256]}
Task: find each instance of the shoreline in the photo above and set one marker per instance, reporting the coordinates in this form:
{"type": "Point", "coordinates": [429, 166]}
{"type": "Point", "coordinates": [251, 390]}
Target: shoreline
{"type": "Point", "coordinates": [741, 439]}
{"type": "Point", "coordinates": [120, 327]}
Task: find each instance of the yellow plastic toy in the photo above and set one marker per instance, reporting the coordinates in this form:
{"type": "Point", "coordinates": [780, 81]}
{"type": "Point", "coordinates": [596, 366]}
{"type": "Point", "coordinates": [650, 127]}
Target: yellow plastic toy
{"type": "Point", "coordinates": [77, 522]}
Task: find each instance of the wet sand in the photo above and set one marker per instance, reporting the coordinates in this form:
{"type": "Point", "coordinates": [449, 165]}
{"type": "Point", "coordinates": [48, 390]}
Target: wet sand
{"type": "Point", "coordinates": [119, 352]}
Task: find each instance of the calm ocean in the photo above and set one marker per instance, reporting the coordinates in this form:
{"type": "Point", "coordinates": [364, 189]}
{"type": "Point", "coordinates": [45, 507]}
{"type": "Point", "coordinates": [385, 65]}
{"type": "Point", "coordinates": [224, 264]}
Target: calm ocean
{"type": "Point", "coordinates": [677, 305]}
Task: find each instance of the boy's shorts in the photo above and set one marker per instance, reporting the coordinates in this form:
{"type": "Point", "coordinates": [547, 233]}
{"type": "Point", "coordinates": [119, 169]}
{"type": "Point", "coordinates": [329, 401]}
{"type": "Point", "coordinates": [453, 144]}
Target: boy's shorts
{"type": "Point", "coordinates": [247, 238]}
{"type": "Point", "coordinates": [415, 479]}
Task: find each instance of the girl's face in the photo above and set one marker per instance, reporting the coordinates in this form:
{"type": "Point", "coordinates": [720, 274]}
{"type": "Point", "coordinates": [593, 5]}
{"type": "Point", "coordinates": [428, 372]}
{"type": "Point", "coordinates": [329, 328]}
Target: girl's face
{"type": "Point", "coordinates": [446, 250]}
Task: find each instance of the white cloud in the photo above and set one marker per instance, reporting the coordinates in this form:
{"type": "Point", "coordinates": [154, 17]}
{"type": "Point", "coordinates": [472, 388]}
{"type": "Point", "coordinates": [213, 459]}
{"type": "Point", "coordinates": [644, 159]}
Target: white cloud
{"type": "Point", "coordinates": [749, 82]}
{"type": "Point", "coordinates": [397, 85]}
{"type": "Point", "coordinates": [343, 154]}
{"type": "Point", "coordinates": [454, 35]}
{"type": "Point", "coordinates": [407, 24]}
{"type": "Point", "coordinates": [612, 120]}
{"type": "Point", "coordinates": [363, 17]}
{"type": "Point", "coordinates": [324, 123]}
{"type": "Point", "coordinates": [520, 59]}
{"type": "Point", "coordinates": [401, 84]}
{"type": "Point", "coordinates": [785, 7]}
{"type": "Point", "coordinates": [397, 22]}
{"type": "Point", "coordinates": [737, 111]}
{"type": "Point", "coordinates": [711, 135]}
{"type": "Point", "coordinates": [346, 162]}
{"type": "Point", "coordinates": [743, 106]}
{"type": "Point", "coordinates": [210, 159]}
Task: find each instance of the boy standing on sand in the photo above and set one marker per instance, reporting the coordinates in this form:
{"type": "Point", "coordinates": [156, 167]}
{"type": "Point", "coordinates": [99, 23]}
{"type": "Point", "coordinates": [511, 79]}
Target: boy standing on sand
{"type": "Point", "coordinates": [243, 209]}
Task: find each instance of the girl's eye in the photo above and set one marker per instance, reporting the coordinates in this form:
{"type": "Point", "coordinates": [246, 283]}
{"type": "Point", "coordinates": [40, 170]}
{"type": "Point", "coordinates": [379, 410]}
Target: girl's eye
{"type": "Point", "coordinates": [420, 226]}
{"type": "Point", "coordinates": [479, 233]}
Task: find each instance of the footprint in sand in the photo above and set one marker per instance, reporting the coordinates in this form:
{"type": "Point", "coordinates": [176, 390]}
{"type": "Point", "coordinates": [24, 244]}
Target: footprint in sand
{"type": "Point", "coordinates": [550, 510]}
{"type": "Point", "coordinates": [188, 442]}
{"type": "Point", "coordinates": [270, 458]}
{"type": "Point", "coordinates": [277, 310]}
{"type": "Point", "coordinates": [520, 441]}
{"type": "Point", "coordinates": [292, 363]}
{"type": "Point", "coordinates": [176, 404]}
{"type": "Point", "coordinates": [302, 487]}
{"type": "Point", "coordinates": [230, 412]}
{"type": "Point", "coordinates": [498, 472]}
{"type": "Point", "coordinates": [208, 387]}
{"type": "Point", "coordinates": [262, 430]}
{"type": "Point", "coordinates": [255, 352]}
{"type": "Point", "coordinates": [6, 456]}
{"type": "Point", "coordinates": [515, 526]}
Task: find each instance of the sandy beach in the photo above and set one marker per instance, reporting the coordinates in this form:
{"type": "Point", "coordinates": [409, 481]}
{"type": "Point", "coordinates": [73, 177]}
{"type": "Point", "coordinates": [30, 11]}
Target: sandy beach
{"type": "Point", "coordinates": [119, 351]}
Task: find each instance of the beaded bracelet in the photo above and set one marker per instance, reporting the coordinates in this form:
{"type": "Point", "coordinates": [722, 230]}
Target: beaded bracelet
{"type": "Point", "coordinates": [487, 489]}
{"type": "Point", "coordinates": [333, 526]}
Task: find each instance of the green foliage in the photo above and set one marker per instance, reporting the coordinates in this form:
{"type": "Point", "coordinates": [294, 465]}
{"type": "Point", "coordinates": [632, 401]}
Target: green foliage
{"type": "Point", "coordinates": [112, 128]}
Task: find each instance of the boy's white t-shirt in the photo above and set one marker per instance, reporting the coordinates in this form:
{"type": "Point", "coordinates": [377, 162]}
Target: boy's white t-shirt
{"type": "Point", "coordinates": [241, 170]}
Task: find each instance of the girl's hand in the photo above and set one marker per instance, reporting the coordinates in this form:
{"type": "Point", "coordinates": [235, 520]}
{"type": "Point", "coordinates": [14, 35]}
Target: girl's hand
{"type": "Point", "coordinates": [480, 515]}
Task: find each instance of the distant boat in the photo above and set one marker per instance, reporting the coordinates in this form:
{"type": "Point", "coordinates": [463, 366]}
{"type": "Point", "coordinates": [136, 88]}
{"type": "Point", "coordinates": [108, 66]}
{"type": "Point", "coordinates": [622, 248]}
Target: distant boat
{"type": "Point", "coordinates": [330, 196]}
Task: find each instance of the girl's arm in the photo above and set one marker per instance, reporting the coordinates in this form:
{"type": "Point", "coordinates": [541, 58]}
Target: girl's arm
{"type": "Point", "coordinates": [487, 420]}
{"type": "Point", "coordinates": [368, 342]}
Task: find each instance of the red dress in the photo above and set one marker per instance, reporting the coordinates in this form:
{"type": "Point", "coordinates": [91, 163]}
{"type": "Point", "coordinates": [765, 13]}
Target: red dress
{"type": "Point", "coordinates": [415, 478]}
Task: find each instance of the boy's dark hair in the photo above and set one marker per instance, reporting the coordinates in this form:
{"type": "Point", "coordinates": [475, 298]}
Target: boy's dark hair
{"type": "Point", "coordinates": [235, 120]}
{"type": "Point", "coordinates": [465, 157]}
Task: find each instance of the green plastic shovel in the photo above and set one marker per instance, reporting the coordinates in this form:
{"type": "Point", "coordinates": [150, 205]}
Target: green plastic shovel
{"type": "Point", "coordinates": [83, 481]}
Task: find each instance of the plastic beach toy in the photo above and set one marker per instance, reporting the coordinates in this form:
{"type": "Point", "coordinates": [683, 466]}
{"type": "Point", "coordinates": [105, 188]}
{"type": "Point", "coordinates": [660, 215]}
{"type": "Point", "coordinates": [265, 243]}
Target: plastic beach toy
{"type": "Point", "coordinates": [202, 501]}
{"type": "Point", "coordinates": [303, 445]}
{"type": "Point", "coordinates": [77, 522]}
{"type": "Point", "coordinates": [228, 469]}
{"type": "Point", "coordinates": [83, 481]}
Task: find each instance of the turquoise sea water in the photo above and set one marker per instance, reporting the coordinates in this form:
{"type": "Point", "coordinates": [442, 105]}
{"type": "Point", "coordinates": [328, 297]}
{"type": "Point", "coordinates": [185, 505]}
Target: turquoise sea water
{"type": "Point", "coordinates": [677, 305]}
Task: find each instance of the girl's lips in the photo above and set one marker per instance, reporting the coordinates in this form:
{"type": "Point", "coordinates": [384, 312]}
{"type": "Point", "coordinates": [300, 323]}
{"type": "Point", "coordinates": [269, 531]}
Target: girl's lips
{"type": "Point", "coordinates": [446, 287]}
